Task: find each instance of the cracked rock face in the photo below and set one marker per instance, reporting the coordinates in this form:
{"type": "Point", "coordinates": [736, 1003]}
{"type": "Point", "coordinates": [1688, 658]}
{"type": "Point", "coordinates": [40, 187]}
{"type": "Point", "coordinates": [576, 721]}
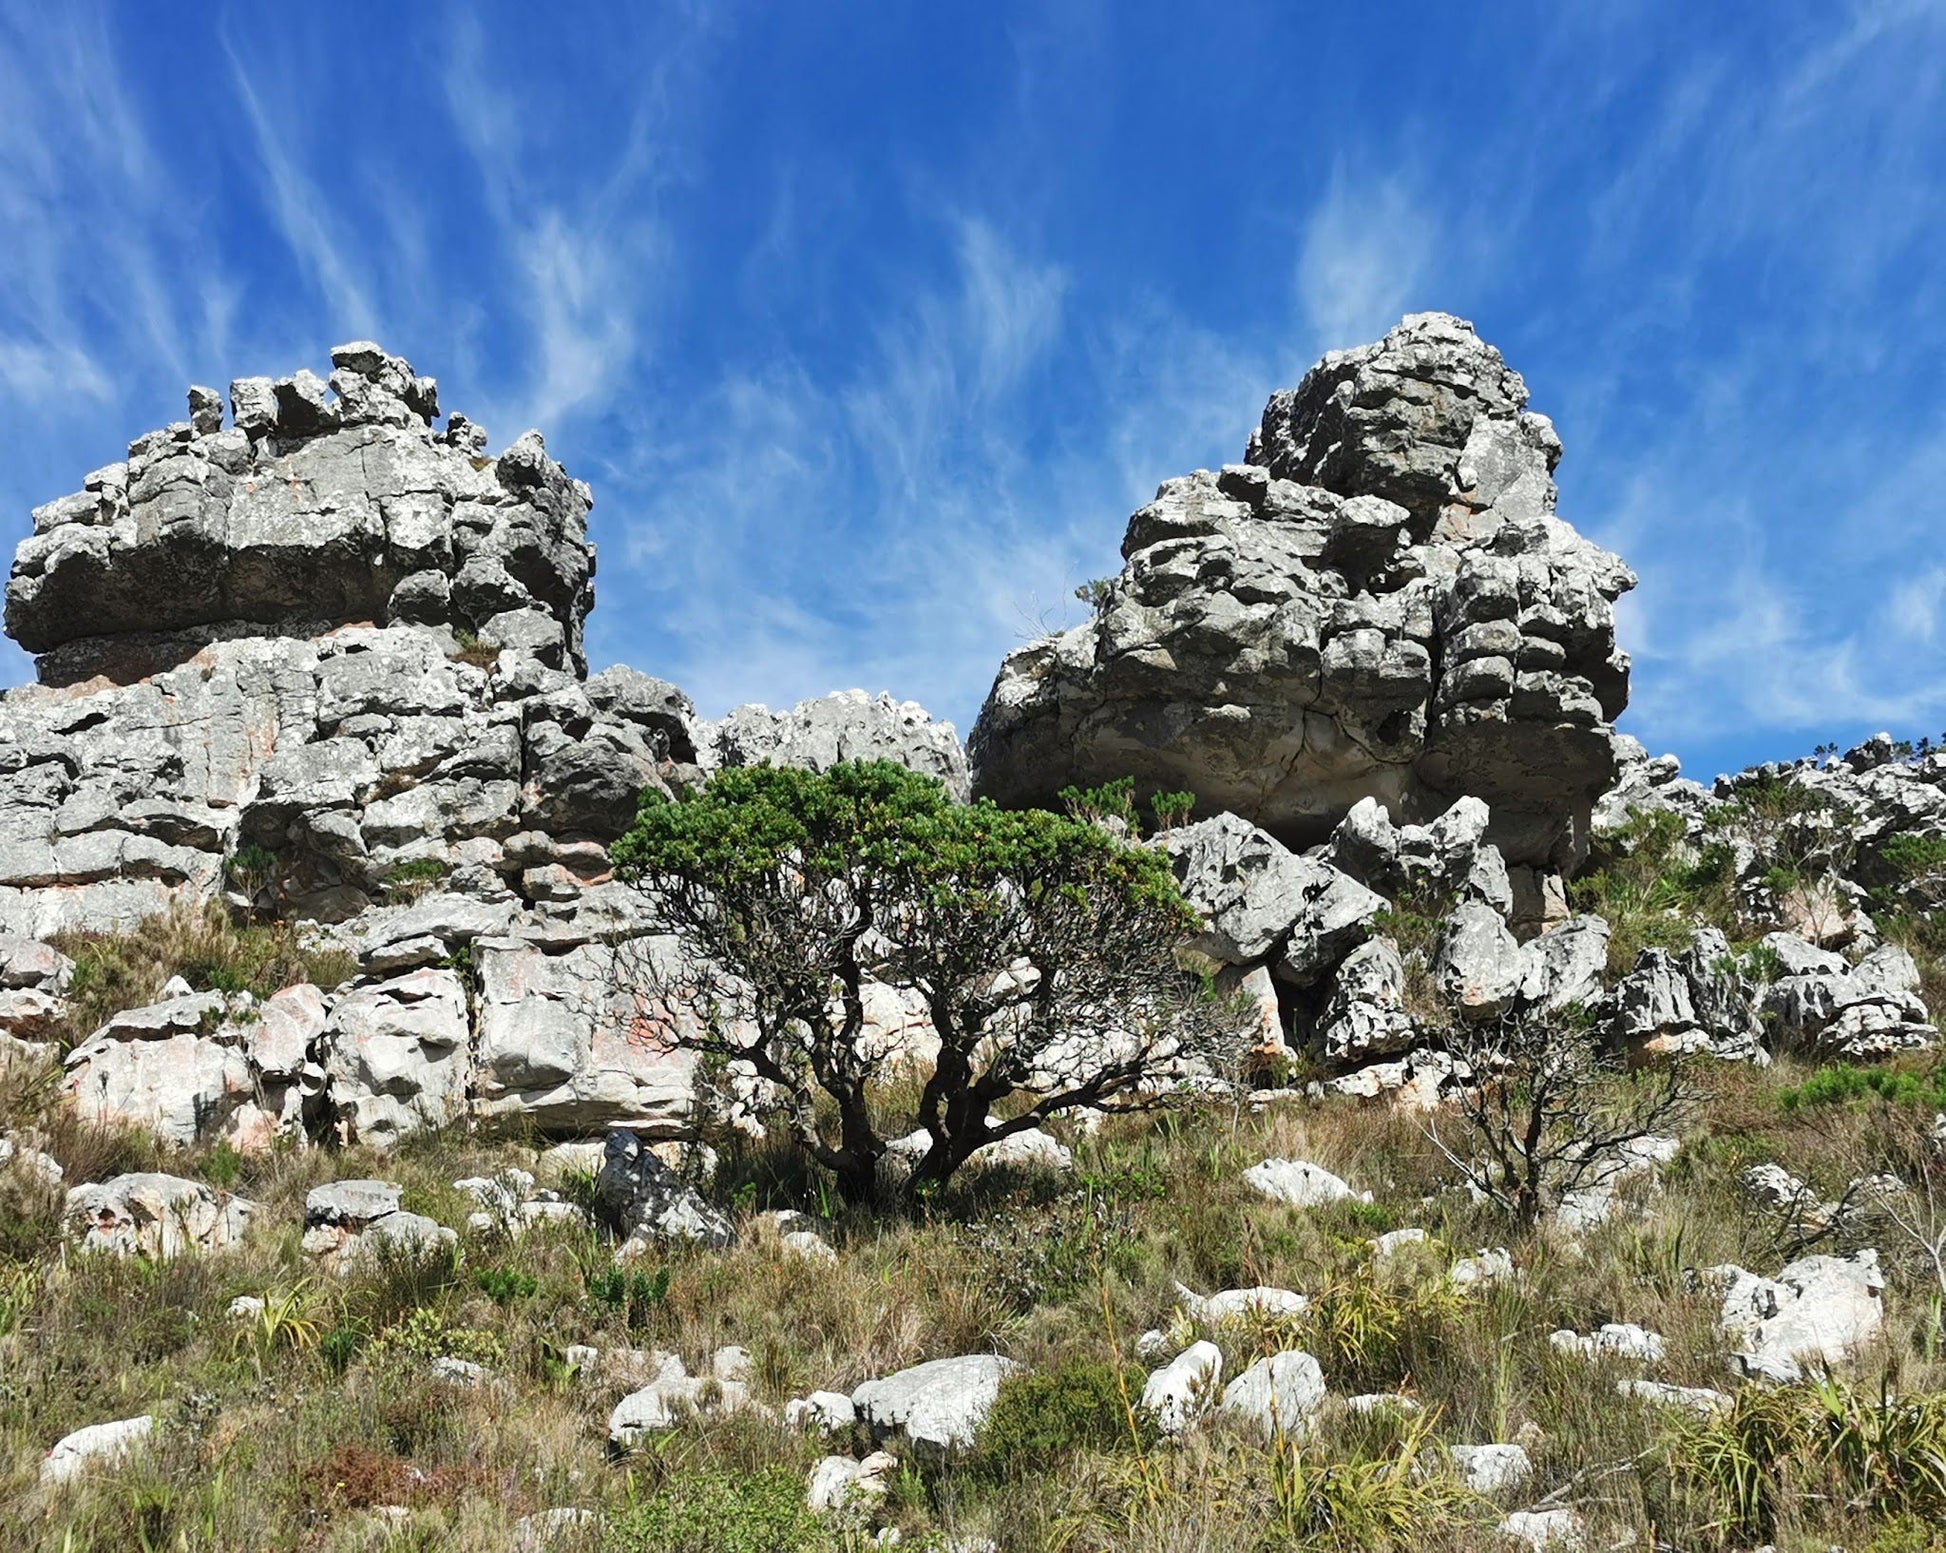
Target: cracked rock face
{"type": "Point", "coordinates": [312, 509]}
{"type": "Point", "coordinates": [1379, 603]}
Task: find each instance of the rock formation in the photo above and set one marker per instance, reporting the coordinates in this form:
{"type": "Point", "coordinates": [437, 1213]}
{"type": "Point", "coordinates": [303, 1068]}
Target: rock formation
{"type": "Point", "coordinates": [326, 663]}
{"type": "Point", "coordinates": [1379, 602]}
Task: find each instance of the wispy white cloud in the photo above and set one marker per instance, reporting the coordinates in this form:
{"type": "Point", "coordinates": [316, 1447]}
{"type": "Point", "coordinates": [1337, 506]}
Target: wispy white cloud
{"type": "Point", "coordinates": [302, 214]}
{"type": "Point", "coordinates": [1367, 251]}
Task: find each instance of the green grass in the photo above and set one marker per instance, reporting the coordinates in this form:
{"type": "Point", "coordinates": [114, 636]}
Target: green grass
{"type": "Point", "coordinates": [287, 1432]}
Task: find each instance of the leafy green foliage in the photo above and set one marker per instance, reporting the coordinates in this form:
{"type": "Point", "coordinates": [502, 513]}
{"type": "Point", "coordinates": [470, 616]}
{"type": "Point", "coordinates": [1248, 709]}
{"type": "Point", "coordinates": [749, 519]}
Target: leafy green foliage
{"type": "Point", "coordinates": [1042, 1416]}
{"type": "Point", "coordinates": [1656, 887]}
{"type": "Point", "coordinates": [713, 1511]}
{"type": "Point", "coordinates": [1888, 1453]}
{"type": "Point", "coordinates": [1844, 1084]}
{"type": "Point", "coordinates": [1171, 809]}
{"type": "Point", "coordinates": [1097, 593]}
{"type": "Point", "coordinates": [633, 1294]}
{"type": "Point", "coordinates": [1026, 933]}
{"type": "Point", "coordinates": [408, 881]}
{"type": "Point", "coordinates": [504, 1285]}
{"type": "Point", "coordinates": [428, 1333]}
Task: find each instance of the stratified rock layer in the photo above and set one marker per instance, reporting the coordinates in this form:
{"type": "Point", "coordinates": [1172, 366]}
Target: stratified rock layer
{"type": "Point", "coordinates": [1379, 603]}
{"type": "Point", "coordinates": [326, 664]}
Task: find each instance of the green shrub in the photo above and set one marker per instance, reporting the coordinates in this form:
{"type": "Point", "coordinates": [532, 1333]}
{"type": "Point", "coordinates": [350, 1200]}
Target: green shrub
{"type": "Point", "coordinates": [427, 1334]}
{"type": "Point", "coordinates": [504, 1285]}
{"type": "Point", "coordinates": [722, 1512]}
{"type": "Point", "coordinates": [1912, 857]}
{"type": "Point", "coordinates": [406, 882]}
{"type": "Point", "coordinates": [1044, 1415]}
{"type": "Point", "coordinates": [1843, 1084]}
{"type": "Point", "coordinates": [636, 1295]}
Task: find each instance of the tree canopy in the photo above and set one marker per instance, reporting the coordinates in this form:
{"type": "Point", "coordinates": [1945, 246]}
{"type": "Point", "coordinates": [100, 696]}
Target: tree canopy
{"type": "Point", "coordinates": [1042, 946]}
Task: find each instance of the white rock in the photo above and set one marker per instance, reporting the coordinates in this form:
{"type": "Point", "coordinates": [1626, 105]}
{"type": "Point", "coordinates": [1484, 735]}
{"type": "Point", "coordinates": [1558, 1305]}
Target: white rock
{"type": "Point", "coordinates": [539, 1532]}
{"type": "Point", "coordinates": [1489, 1469]}
{"type": "Point", "coordinates": [245, 1306]}
{"type": "Point", "coordinates": [1299, 1183]}
{"type": "Point", "coordinates": [1396, 1239]}
{"type": "Point", "coordinates": [1241, 1304]}
{"type": "Point", "coordinates": [1617, 1340]}
{"type": "Point", "coordinates": [1820, 1308]}
{"type": "Point", "coordinates": [1484, 1266]}
{"type": "Point", "coordinates": [1381, 1402]}
{"type": "Point", "coordinates": [1179, 1393]}
{"type": "Point", "coordinates": [839, 1483]}
{"type": "Point", "coordinates": [827, 1411]}
{"type": "Point", "coordinates": [941, 1403]}
{"type": "Point", "coordinates": [1544, 1529]}
{"type": "Point", "coordinates": [1276, 1395]}
{"type": "Point", "coordinates": [1698, 1399]}
{"type": "Point", "coordinates": [155, 1216]}
{"type": "Point", "coordinates": [97, 1445]}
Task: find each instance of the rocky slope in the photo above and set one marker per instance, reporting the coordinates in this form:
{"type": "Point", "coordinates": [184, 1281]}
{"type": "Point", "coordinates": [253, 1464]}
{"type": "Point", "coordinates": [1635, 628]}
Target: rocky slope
{"type": "Point", "coordinates": [323, 666]}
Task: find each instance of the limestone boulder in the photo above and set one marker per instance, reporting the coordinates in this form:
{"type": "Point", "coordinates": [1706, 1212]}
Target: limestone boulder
{"type": "Point", "coordinates": [154, 1215]}
{"type": "Point", "coordinates": [848, 725]}
{"type": "Point", "coordinates": [942, 1403]}
{"type": "Point", "coordinates": [1379, 602]}
{"type": "Point", "coordinates": [648, 1203]}
{"type": "Point", "coordinates": [397, 1056]}
{"type": "Point", "coordinates": [1277, 1395]}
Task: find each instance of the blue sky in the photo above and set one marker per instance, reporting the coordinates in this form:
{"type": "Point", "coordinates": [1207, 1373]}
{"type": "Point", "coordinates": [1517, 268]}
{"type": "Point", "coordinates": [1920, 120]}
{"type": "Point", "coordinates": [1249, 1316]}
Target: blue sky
{"type": "Point", "coordinates": [870, 324]}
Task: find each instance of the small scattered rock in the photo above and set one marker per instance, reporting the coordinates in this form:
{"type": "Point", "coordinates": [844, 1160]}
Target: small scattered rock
{"type": "Point", "coordinates": [942, 1403]}
{"type": "Point", "coordinates": [1300, 1183]}
{"type": "Point", "coordinates": [1182, 1391]}
{"type": "Point", "coordinates": [1616, 1340]}
{"type": "Point", "coordinates": [1491, 1469]}
{"type": "Point", "coordinates": [839, 1483]}
{"type": "Point", "coordinates": [98, 1445]}
{"type": "Point", "coordinates": [1276, 1395]}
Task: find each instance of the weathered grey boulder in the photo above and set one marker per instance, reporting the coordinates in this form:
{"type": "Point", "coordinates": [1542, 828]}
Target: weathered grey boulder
{"type": "Point", "coordinates": [1436, 864]}
{"type": "Point", "coordinates": [1479, 966]}
{"type": "Point", "coordinates": [1825, 1006]}
{"type": "Point", "coordinates": [1565, 965]}
{"type": "Point", "coordinates": [397, 1056]}
{"type": "Point", "coordinates": [1178, 1395]}
{"type": "Point", "coordinates": [1819, 1310]}
{"type": "Point", "coordinates": [156, 1216]}
{"type": "Point", "coordinates": [1379, 603]}
{"type": "Point", "coordinates": [1276, 1395]}
{"type": "Point", "coordinates": [1695, 1001]}
{"type": "Point", "coordinates": [673, 1395]}
{"type": "Point", "coordinates": [648, 1202]}
{"type": "Point", "coordinates": [313, 511]}
{"type": "Point", "coordinates": [1366, 1016]}
{"type": "Point", "coordinates": [942, 1403]}
{"type": "Point", "coordinates": [562, 1049]}
{"type": "Point", "coordinates": [98, 1445]}
{"type": "Point", "coordinates": [840, 1483]}
{"type": "Point", "coordinates": [847, 725]}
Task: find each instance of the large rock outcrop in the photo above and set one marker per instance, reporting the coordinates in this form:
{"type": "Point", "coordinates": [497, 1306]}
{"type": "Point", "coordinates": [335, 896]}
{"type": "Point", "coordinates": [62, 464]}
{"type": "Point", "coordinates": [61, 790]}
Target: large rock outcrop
{"type": "Point", "coordinates": [1378, 603]}
{"type": "Point", "coordinates": [325, 663]}
{"type": "Point", "coordinates": [315, 508]}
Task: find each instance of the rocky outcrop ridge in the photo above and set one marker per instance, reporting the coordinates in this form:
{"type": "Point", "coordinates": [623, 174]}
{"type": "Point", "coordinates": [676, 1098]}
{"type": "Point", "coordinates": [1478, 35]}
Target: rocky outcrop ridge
{"type": "Point", "coordinates": [325, 663]}
{"type": "Point", "coordinates": [1379, 602]}
{"type": "Point", "coordinates": [317, 506]}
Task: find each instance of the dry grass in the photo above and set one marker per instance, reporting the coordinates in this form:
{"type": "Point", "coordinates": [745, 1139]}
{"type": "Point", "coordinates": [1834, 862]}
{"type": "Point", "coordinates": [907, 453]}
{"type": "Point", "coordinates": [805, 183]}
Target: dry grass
{"type": "Point", "coordinates": [292, 1443]}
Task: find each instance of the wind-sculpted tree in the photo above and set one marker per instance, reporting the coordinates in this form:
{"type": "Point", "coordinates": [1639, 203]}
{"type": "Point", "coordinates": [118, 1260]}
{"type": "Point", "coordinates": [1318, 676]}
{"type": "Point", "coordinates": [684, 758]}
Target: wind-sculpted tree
{"type": "Point", "coordinates": [1544, 1111]}
{"type": "Point", "coordinates": [1043, 948]}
